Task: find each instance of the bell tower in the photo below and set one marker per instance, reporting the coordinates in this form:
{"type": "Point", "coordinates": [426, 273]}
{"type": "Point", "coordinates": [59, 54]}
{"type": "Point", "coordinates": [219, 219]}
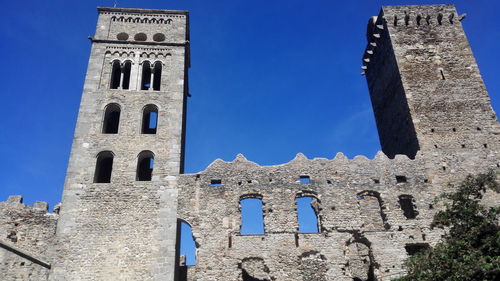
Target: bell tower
{"type": "Point", "coordinates": [118, 215]}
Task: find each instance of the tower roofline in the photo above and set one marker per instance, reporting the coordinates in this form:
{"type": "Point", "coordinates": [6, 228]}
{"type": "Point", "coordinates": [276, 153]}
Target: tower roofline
{"type": "Point", "coordinates": [141, 11]}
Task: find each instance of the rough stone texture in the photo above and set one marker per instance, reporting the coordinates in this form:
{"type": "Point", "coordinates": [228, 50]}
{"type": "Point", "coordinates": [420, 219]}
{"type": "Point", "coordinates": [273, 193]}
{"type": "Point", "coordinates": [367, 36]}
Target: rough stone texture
{"type": "Point", "coordinates": [26, 233]}
{"type": "Point", "coordinates": [435, 122]}
{"type": "Point", "coordinates": [126, 229]}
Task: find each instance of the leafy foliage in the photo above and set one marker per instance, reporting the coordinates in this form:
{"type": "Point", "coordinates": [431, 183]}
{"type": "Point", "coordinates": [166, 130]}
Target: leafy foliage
{"type": "Point", "coordinates": [470, 249]}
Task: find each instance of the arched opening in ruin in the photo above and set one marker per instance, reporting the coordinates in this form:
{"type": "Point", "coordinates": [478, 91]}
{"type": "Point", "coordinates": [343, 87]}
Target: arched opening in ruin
{"type": "Point", "coordinates": [307, 205]}
{"type": "Point", "coordinates": [252, 217]}
{"type": "Point", "coordinates": [103, 167]}
{"type": "Point", "coordinates": [372, 208]}
{"type": "Point", "coordinates": [361, 263]}
{"type": "Point", "coordinates": [157, 76]}
{"type": "Point", "coordinates": [185, 250]}
{"type": "Point", "coordinates": [146, 75]}
{"type": "Point", "coordinates": [115, 75]}
{"type": "Point", "coordinates": [254, 269]}
{"type": "Point", "coordinates": [111, 119]}
{"type": "Point", "coordinates": [149, 119]}
{"type": "Point", "coordinates": [408, 206]}
{"type": "Point", "coordinates": [145, 165]}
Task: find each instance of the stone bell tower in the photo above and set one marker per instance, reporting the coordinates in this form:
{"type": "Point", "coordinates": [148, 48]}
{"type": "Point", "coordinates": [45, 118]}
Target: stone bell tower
{"type": "Point", "coordinates": [118, 215]}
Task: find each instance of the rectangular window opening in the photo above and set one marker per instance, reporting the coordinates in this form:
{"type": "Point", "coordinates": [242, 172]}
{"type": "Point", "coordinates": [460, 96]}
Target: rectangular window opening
{"type": "Point", "coordinates": [216, 182]}
{"type": "Point", "coordinates": [401, 179]}
{"type": "Point", "coordinates": [304, 179]}
{"type": "Point", "coordinates": [252, 216]}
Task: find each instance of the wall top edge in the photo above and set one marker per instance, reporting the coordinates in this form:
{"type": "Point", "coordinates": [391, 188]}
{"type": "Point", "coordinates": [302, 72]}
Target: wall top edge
{"type": "Point", "coordinates": [141, 11]}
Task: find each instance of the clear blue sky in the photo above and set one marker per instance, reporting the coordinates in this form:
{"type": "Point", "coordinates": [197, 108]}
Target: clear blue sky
{"type": "Point", "coordinates": [268, 78]}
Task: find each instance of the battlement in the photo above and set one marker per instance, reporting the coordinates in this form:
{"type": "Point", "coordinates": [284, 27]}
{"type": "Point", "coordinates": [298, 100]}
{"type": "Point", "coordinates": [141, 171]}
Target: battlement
{"type": "Point", "coordinates": [380, 170]}
{"type": "Point", "coordinates": [16, 201]}
{"type": "Point", "coordinates": [26, 235]}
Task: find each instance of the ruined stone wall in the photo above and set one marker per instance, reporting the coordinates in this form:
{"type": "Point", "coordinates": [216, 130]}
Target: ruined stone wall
{"type": "Point", "coordinates": [26, 236]}
{"type": "Point", "coordinates": [125, 229]}
{"type": "Point", "coordinates": [361, 220]}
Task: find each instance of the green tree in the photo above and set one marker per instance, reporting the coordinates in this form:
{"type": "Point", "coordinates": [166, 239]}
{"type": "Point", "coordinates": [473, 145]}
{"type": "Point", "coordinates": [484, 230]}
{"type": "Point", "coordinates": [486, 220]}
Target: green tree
{"type": "Point", "coordinates": [470, 250]}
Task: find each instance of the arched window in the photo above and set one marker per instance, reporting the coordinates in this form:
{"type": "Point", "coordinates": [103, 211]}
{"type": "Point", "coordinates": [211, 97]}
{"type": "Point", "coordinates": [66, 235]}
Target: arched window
{"type": "Point", "coordinates": [157, 76]}
{"type": "Point", "coordinates": [115, 75]}
{"type": "Point", "coordinates": [307, 213]}
{"type": "Point", "coordinates": [361, 263]}
{"type": "Point", "coordinates": [145, 165]}
{"type": "Point", "coordinates": [149, 119]}
{"type": "Point", "coordinates": [252, 217]}
{"type": "Point", "coordinates": [146, 76]}
{"type": "Point", "coordinates": [103, 167]}
{"type": "Point", "coordinates": [111, 119]}
{"type": "Point", "coordinates": [127, 66]}
{"type": "Point", "coordinates": [372, 209]}
{"type": "Point", "coordinates": [187, 244]}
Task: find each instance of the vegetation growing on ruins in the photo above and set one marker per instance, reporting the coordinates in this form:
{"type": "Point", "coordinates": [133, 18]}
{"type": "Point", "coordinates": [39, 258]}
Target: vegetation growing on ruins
{"type": "Point", "coordinates": [471, 248]}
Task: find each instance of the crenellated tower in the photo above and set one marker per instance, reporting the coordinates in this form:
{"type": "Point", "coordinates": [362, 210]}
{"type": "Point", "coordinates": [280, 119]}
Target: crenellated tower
{"type": "Point", "coordinates": [426, 89]}
{"type": "Point", "coordinates": [118, 218]}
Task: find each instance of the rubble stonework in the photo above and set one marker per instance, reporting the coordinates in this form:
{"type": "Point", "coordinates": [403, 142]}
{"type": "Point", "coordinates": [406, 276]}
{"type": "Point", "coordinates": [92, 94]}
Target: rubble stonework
{"type": "Point", "coordinates": [435, 122]}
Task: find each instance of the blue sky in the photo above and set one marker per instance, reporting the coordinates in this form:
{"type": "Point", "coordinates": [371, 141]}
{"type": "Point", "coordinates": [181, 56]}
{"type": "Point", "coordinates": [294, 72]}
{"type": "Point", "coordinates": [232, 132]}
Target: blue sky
{"type": "Point", "coordinates": [268, 79]}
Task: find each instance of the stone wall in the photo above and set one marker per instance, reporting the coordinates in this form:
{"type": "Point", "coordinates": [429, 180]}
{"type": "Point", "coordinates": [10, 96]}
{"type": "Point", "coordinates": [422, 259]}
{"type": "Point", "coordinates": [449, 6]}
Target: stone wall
{"type": "Point", "coordinates": [125, 228]}
{"type": "Point", "coordinates": [358, 204]}
{"type": "Point", "coordinates": [423, 77]}
{"type": "Point", "coordinates": [26, 236]}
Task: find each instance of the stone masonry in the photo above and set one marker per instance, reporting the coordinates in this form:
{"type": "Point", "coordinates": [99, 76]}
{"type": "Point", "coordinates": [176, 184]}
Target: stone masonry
{"type": "Point", "coordinates": [126, 195]}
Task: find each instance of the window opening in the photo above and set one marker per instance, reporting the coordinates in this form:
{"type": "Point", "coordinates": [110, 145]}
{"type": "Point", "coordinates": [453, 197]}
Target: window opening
{"type": "Point", "coordinates": [307, 214]}
{"type": "Point", "coordinates": [149, 119]}
{"type": "Point", "coordinates": [157, 76]}
{"type": "Point", "coordinates": [413, 249]}
{"type": "Point", "coordinates": [304, 179]}
{"type": "Point", "coordinates": [111, 119]}
{"type": "Point", "coordinates": [440, 18]}
{"type": "Point", "coordinates": [187, 244]}
{"type": "Point", "coordinates": [146, 76]}
{"type": "Point", "coordinates": [115, 75]}
{"type": "Point", "coordinates": [216, 182]}
{"type": "Point", "coordinates": [406, 203]}
{"type": "Point", "coordinates": [127, 66]}
{"type": "Point", "coordinates": [104, 166]}
{"type": "Point", "coordinates": [401, 179]}
{"type": "Point", "coordinates": [145, 165]}
{"type": "Point", "coordinates": [252, 217]}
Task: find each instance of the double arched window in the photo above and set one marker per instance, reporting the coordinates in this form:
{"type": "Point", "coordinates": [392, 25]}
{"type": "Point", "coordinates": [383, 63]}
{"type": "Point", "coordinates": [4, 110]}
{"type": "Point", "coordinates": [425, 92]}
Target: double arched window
{"type": "Point", "coordinates": [151, 76]}
{"type": "Point", "coordinates": [120, 75]}
{"type": "Point", "coordinates": [104, 166]}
